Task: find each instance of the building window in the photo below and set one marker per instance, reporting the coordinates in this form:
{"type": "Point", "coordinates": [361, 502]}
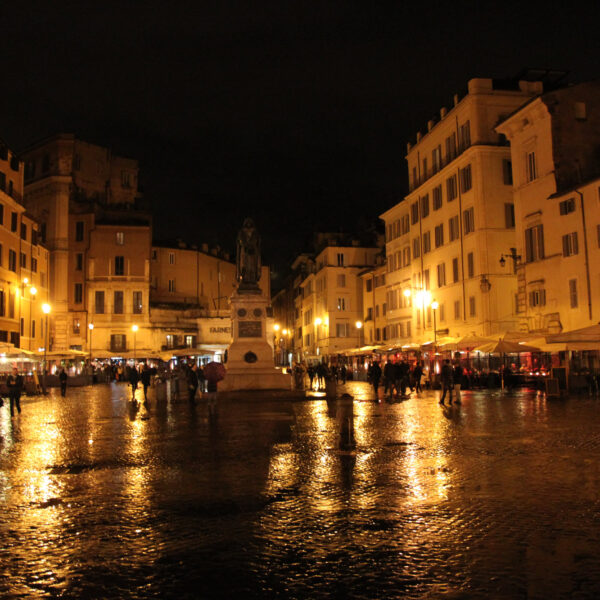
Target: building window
{"type": "Point", "coordinates": [455, 272]}
{"type": "Point", "coordinates": [426, 279]}
{"type": "Point", "coordinates": [464, 133]}
{"type": "Point", "coordinates": [307, 339]}
{"type": "Point", "coordinates": [426, 242]}
{"type": "Point", "coordinates": [171, 258]}
{"type": "Point", "coordinates": [507, 177]}
{"type": "Point", "coordinates": [154, 254]}
{"type": "Point", "coordinates": [570, 245]}
{"type": "Point", "coordinates": [580, 111]}
{"type": "Point", "coordinates": [22, 326]}
{"type": "Point", "coordinates": [79, 225]}
{"type": "Point", "coordinates": [441, 274]}
{"type": "Point", "coordinates": [468, 221]}
{"type": "Point", "coordinates": [451, 188]}
{"type": "Point", "coordinates": [79, 262]}
{"type": "Point", "coordinates": [34, 237]}
{"type": "Point", "coordinates": [118, 342]}
{"type": "Point", "coordinates": [369, 282]}
{"type": "Point", "coordinates": [341, 280]}
{"type": "Point", "coordinates": [2, 250]}
{"type": "Point", "coordinates": [23, 260]}
{"type": "Point", "coordinates": [12, 261]}
{"type": "Point", "coordinates": [416, 245]}
{"type": "Point", "coordinates": [33, 265]}
{"type": "Point", "coordinates": [120, 238]}
{"type": "Point", "coordinates": [534, 243]}
{"type": "Point", "coordinates": [76, 326]}
{"type": "Point", "coordinates": [340, 259]}
{"type": "Point", "coordinates": [11, 305]}
{"type": "Point", "coordinates": [453, 227]}
{"type": "Point", "coordinates": [171, 285]}
{"type": "Point", "coordinates": [2, 303]}
{"type": "Point", "coordinates": [531, 168]}
{"type": "Point", "coordinates": [13, 221]}
{"type": "Point", "coordinates": [119, 265]}
{"type": "Point", "coordinates": [137, 303]}
{"type": "Point", "coordinates": [509, 215]}
{"type": "Point", "coordinates": [78, 293]}
{"type": "Point", "coordinates": [125, 179]}
{"type": "Point", "coordinates": [573, 292]}
{"type": "Point", "coordinates": [341, 303]}
{"type": "Point", "coordinates": [439, 235]}
{"type": "Point", "coordinates": [465, 179]}
{"type": "Point", "coordinates": [450, 147]}
{"type": "Point", "coordinates": [472, 306]}
{"type": "Point", "coordinates": [99, 303]}
{"type": "Point", "coordinates": [424, 206]}
{"type": "Point", "coordinates": [470, 265]}
{"type": "Point", "coordinates": [190, 341]}
{"type": "Point", "coordinates": [437, 197]}
{"type": "Point", "coordinates": [118, 303]}
{"type": "Point", "coordinates": [436, 159]}
{"type": "Point", "coordinates": [23, 231]}
{"type": "Point", "coordinates": [406, 256]}
{"type": "Point", "coordinates": [342, 329]}
{"type": "Point", "coordinates": [1, 214]}
{"type": "Point", "coordinates": [566, 206]}
{"type": "Point", "coordinates": [537, 298]}
{"type": "Point", "coordinates": [414, 212]}
{"type": "Point", "coordinates": [33, 328]}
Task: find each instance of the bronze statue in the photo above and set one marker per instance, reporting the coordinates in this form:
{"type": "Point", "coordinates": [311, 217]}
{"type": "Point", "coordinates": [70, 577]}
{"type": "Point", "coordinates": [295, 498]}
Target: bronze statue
{"type": "Point", "coordinates": [248, 258]}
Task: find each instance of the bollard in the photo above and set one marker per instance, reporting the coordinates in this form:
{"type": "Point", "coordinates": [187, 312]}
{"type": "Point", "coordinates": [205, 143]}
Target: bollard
{"type": "Point", "coordinates": [331, 387]}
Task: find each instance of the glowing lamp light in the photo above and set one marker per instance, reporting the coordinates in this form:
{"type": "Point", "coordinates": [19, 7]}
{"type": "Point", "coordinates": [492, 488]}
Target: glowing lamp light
{"type": "Point", "coordinates": [91, 326]}
{"type": "Point", "coordinates": [285, 332]}
{"type": "Point", "coordinates": [46, 308]}
{"type": "Point", "coordinates": [358, 324]}
{"type": "Point", "coordinates": [33, 291]}
{"type": "Point", "coordinates": [423, 298]}
{"type": "Point", "coordinates": [25, 280]}
{"type": "Point", "coordinates": [407, 292]}
{"type": "Point", "coordinates": [435, 305]}
{"type": "Point", "coordinates": [276, 327]}
{"type": "Point", "coordinates": [134, 328]}
{"type": "Point", "coordinates": [318, 321]}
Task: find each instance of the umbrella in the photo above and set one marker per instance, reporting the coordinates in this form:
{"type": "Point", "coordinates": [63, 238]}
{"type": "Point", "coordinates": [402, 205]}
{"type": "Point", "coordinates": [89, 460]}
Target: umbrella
{"type": "Point", "coordinates": [468, 342]}
{"type": "Point", "coordinates": [214, 371]}
{"type": "Point", "coordinates": [505, 347]}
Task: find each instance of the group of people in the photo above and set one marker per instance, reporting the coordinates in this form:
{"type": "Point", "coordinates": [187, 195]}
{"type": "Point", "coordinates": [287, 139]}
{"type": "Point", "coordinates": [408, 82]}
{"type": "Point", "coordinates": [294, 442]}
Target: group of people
{"type": "Point", "coordinates": [397, 377]}
{"type": "Point", "coordinates": [195, 377]}
{"type": "Point", "coordinates": [318, 374]}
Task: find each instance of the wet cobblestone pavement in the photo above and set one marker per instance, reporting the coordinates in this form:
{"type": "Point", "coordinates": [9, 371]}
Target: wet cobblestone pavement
{"type": "Point", "coordinates": [495, 498]}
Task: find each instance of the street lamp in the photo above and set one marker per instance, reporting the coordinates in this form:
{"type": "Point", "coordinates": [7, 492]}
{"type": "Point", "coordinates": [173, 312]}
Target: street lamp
{"type": "Point", "coordinates": [134, 328]}
{"type": "Point", "coordinates": [513, 255]}
{"type": "Point", "coordinates": [359, 331]}
{"type": "Point", "coordinates": [33, 292]}
{"type": "Point", "coordinates": [46, 310]}
{"type": "Point", "coordinates": [91, 328]}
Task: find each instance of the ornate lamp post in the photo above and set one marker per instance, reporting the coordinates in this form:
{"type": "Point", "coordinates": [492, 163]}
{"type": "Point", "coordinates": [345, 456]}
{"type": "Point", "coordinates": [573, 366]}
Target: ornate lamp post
{"type": "Point", "coordinates": [91, 328]}
{"type": "Point", "coordinates": [33, 292]}
{"type": "Point", "coordinates": [134, 328]}
{"type": "Point", "coordinates": [46, 310]}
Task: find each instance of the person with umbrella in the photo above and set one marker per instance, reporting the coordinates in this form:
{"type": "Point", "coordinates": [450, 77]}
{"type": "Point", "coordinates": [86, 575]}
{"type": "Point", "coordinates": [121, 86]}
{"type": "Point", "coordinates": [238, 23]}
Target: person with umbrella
{"type": "Point", "coordinates": [213, 373]}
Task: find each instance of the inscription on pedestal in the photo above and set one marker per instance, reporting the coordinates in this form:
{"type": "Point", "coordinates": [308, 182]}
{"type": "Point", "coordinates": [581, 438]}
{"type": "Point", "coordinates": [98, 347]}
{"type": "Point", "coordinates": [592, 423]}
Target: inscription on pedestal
{"type": "Point", "coordinates": [250, 329]}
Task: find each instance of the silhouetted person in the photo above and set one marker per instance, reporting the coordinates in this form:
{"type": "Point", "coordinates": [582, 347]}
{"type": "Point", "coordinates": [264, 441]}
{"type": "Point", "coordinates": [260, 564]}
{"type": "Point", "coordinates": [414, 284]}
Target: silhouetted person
{"type": "Point", "coordinates": [62, 378]}
{"type": "Point", "coordinates": [134, 378]}
{"type": "Point", "coordinates": [374, 375]}
{"type": "Point", "coordinates": [447, 381]}
{"type": "Point", "coordinates": [192, 380]}
{"type": "Point", "coordinates": [146, 378]}
{"type": "Point", "coordinates": [14, 383]}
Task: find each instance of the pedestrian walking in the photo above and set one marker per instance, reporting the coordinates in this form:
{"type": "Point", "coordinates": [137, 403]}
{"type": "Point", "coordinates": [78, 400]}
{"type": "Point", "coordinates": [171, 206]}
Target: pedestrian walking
{"type": "Point", "coordinates": [62, 378]}
{"type": "Point", "coordinates": [401, 377]}
{"type": "Point", "coordinates": [344, 373]}
{"type": "Point", "coordinates": [192, 380]}
{"type": "Point", "coordinates": [311, 375]}
{"type": "Point", "coordinates": [374, 375]}
{"type": "Point", "coordinates": [389, 376]}
{"type": "Point", "coordinates": [418, 375]}
{"type": "Point", "coordinates": [322, 372]}
{"type": "Point", "coordinates": [213, 373]}
{"type": "Point", "coordinates": [134, 378]}
{"type": "Point", "coordinates": [146, 378]}
{"type": "Point", "coordinates": [15, 383]}
{"type": "Point", "coordinates": [457, 378]}
{"type": "Point", "coordinates": [447, 381]}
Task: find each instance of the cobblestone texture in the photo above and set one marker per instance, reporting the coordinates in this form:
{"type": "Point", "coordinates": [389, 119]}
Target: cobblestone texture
{"type": "Point", "coordinates": [495, 498]}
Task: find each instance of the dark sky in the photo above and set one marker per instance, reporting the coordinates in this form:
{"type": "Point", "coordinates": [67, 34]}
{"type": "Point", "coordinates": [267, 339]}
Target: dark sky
{"type": "Point", "coordinates": [296, 113]}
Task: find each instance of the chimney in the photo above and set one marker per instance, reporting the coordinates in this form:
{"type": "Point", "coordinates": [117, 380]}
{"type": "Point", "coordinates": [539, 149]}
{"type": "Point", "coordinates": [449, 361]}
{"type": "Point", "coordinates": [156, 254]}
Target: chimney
{"type": "Point", "coordinates": [204, 248]}
{"type": "Point", "coordinates": [419, 136]}
{"type": "Point", "coordinates": [408, 147]}
{"type": "Point", "coordinates": [455, 99]}
{"type": "Point", "coordinates": [443, 112]}
{"type": "Point", "coordinates": [430, 124]}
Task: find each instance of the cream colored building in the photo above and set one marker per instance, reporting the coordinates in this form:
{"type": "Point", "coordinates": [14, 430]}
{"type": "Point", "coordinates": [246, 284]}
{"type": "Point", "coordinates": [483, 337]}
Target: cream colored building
{"type": "Point", "coordinates": [447, 236]}
{"type": "Point", "coordinates": [374, 292]}
{"type": "Point", "coordinates": [23, 264]}
{"type": "Point", "coordinates": [330, 302]}
{"type": "Point", "coordinates": [556, 168]}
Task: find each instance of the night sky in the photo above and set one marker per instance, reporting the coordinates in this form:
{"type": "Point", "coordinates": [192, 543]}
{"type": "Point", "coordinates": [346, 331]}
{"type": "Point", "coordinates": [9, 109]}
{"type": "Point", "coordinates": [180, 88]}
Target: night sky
{"type": "Point", "coordinates": [295, 113]}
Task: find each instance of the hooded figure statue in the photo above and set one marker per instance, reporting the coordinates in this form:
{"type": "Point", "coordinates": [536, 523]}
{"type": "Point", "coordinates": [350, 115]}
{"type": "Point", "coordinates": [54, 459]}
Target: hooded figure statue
{"type": "Point", "coordinates": [248, 258]}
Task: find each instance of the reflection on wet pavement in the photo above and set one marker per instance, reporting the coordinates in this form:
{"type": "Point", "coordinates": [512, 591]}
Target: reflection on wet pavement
{"type": "Point", "coordinates": [497, 497]}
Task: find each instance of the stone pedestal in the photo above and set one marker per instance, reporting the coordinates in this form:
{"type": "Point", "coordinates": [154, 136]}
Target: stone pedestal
{"type": "Point", "coordinates": [250, 356]}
